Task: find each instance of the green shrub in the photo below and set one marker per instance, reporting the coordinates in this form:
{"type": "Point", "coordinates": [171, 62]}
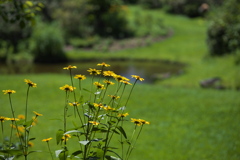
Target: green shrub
{"type": "Point", "coordinates": [47, 43]}
{"type": "Point", "coordinates": [224, 30]}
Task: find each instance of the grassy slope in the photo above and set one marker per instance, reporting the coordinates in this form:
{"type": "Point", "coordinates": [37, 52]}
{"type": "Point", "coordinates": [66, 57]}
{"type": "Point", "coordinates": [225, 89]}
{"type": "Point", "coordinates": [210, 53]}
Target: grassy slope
{"type": "Point", "coordinates": [187, 45]}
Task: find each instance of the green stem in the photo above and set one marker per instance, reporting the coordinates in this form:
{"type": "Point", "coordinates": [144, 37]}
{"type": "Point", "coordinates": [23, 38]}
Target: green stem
{"type": "Point", "coordinates": [49, 150]}
{"type": "Point", "coordinates": [10, 101]}
{"type": "Point", "coordinates": [130, 145]}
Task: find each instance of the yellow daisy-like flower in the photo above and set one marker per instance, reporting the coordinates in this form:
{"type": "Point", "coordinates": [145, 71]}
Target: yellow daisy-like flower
{"type": "Point", "coordinates": [9, 91]}
{"type": "Point", "coordinates": [136, 121]}
{"type": "Point", "coordinates": [2, 119]}
{"type": "Point", "coordinates": [98, 105]}
{"type": "Point", "coordinates": [123, 114]}
{"type": "Point", "coordinates": [108, 73]}
{"type": "Point", "coordinates": [30, 83]}
{"type": "Point", "coordinates": [103, 64]}
{"type": "Point", "coordinates": [109, 108]}
{"type": "Point", "coordinates": [143, 121]}
{"type": "Point", "coordinates": [94, 123]}
{"type": "Point", "coordinates": [37, 114]}
{"type": "Point", "coordinates": [66, 137]}
{"type": "Point", "coordinates": [126, 82]}
{"type": "Point", "coordinates": [120, 78]}
{"type": "Point", "coordinates": [74, 104]}
{"type": "Point", "coordinates": [94, 71]}
{"type": "Point", "coordinates": [80, 77]}
{"type": "Point", "coordinates": [47, 139]}
{"type": "Point", "coordinates": [13, 119]}
{"type": "Point", "coordinates": [20, 116]}
{"type": "Point", "coordinates": [108, 82]}
{"type": "Point", "coordinates": [21, 128]}
{"type": "Point", "coordinates": [114, 97]}
{"type": "Point", "coordinates": [67, 88]}
{"type": "Point", "coordinates": [69, 67]}
{"type": "Point", "coordinates": [137, 77]}
{"type": "Point", "coordinates": [99, 85]}
{"type": "Point", "coordinates": [30, 144]}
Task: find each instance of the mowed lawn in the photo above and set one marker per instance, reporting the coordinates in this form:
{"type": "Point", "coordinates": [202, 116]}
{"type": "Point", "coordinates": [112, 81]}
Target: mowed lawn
{"type": "Point", "coordinates": [186, 123]}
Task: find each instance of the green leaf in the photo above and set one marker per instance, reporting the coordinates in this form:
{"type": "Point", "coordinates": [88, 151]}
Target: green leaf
{"type": "Point", "coordinates": [115, 154]}
{"type": "Point", "coordinates": [120, 128]}
{"type": "Point", "coordinates": [112, 158]}
{"type": "Point", "coordinates": [76, 153]}
{"type": "Point", "coordinates": [31, 139]}
{"type": "Point", "coordinates": [59, 135]}
{"type": "Point", "coordinates": [84, 142]}
{"type": "Point", "coordinates": [33, 152]}
{"type": "Point", "coordinates": [63, 155]}
{"type": "Point", "coordinates": [72, 131]}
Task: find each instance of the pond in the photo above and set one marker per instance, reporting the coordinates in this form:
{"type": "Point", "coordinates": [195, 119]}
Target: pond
{"type": "Point", "coordinates": [149, 70]}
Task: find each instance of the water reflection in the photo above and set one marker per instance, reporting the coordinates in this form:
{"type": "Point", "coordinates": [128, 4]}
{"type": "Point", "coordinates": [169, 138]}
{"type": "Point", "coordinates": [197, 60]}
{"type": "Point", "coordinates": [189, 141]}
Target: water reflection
{"type": "Point", "coordinates": [149, 70]}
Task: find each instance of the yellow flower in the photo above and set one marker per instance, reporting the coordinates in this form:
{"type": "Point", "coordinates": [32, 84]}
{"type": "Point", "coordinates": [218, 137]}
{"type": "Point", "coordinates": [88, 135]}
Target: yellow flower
{"type": "Point", "coordinates": [30, 83]}
{"type": "Point", "coordinates": [136, 121]}
{"type": "Point", "coordinates": [108, 73]}
{"type": "Point", "coordinates": [123, 114]}
{"type": "Point", "coordinates": [74, 104]}
{"type": "Point", "coordinates": [143, 121]}
{"type": "Point", "coordinates": [2, 119]}
{"type": "Point", "coordinates": [67, 88]}
{"type": "Point", "coordinates": [98, 105]}
{"type": "Point", "coordinates": [37, 114]}
{"type": "Point", "coordinates": [21, 128]}
{"type": "Point", "coordinates": [80, 77]}
{"type": "Point", "coordinates": [65, 137]}
{"type": "Point", "coordinates": [108, 82]}
{"type": "Point", "coordinates": [94, 71]}
{"type": "Point", "coordinates": [114, 97]}
{"type": "Point", "coordinates": [137, 77]}
{"type": "Point", "coordinates": [20, 116]}
{"type": "Point", "coordinates": [120, 78]}
{"type": "Point", "coordinates": [47, 139]}
{"type": "Point", "coordinates": [99, 85]}
{"type": "Point", "coordinates": [69, 67]}
{"type": "Point", "coordinates": [109, 108]}
{"type": "Point", "coordinates": [103, 64]}
{"type": "Point", "coordinates": [126, 82]}
{"type": "Point", "coordinates": [30, 144]}
{"type": "Point", "coordinates": [9, 91]}
{"type": "Point", "coordinates": [94, 123]}
{"type": "Point", "coordinates": [13, 119]}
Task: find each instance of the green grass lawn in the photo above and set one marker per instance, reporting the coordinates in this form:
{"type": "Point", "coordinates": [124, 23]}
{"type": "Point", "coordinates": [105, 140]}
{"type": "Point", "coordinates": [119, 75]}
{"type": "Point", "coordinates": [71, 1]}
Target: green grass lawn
{"type": "Point", "coordinates": [187, 122]}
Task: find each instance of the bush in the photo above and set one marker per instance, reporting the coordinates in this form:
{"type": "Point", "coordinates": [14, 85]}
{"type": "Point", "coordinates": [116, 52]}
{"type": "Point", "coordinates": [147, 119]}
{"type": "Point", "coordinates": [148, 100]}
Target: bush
{"type": "Point", "coordinates": [47, 43]}
{"type": "Point", "coordinates": [224, 30]}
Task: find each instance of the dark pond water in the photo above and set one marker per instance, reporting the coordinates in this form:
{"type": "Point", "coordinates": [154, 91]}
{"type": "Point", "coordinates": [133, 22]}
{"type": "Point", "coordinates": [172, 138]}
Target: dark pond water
{"type": "Point", "coordinates": [149, 70]}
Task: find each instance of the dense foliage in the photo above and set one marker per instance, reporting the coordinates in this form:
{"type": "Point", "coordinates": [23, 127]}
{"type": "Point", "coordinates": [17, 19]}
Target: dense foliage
{"type": "Point", "coordinates": [224, 31]}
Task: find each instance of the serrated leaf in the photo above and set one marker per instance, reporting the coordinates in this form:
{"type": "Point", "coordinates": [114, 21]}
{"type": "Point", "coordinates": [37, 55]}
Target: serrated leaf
{"type": "Point", "coordinates": [122, 131]}
{"type": "Point", "coordinates": [59, 135]}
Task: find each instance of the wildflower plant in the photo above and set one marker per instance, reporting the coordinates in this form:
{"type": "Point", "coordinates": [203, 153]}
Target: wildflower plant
{"type": "Point", "coordinates": [101, 116]}
{"type": "Point", "coordinates": [99, 119]}
{"type": "Point", "coordinates": [18, 145]}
